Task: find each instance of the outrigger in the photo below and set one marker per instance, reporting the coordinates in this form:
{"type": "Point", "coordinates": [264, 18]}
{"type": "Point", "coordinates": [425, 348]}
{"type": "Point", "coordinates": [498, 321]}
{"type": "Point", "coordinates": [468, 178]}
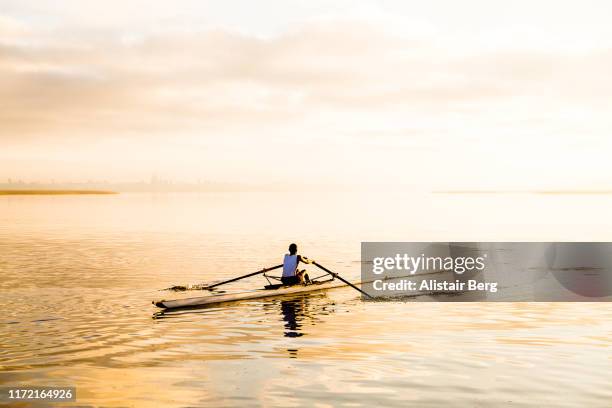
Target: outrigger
{"type": "Point", "coordinates": [270, 290]}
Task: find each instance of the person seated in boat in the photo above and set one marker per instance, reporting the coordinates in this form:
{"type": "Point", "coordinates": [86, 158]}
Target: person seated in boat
{"type": "Point", "coordinates": [291, 274]}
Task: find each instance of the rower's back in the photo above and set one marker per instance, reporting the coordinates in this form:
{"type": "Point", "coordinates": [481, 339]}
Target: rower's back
{"type": "Point", "coordinates": [290, 265]}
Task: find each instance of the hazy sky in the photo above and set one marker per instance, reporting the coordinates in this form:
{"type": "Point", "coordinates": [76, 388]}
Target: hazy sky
{"type": "Point", "coordinates": [432, 94]}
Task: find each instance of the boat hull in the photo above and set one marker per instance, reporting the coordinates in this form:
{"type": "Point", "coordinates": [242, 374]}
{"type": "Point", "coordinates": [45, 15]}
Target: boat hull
{"type": "Point", "coordinates": [256, 294]}
{"type": "Point", "coordinates": [283, 291]}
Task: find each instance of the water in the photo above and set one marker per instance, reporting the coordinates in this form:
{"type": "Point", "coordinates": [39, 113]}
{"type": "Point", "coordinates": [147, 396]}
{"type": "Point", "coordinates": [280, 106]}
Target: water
{"type": "Point", "coordinates": [79, 273]}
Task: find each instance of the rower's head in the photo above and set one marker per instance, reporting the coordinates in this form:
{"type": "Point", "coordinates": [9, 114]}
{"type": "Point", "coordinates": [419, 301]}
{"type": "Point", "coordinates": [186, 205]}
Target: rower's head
{"type": "Point", "coordinates": [292, 249]}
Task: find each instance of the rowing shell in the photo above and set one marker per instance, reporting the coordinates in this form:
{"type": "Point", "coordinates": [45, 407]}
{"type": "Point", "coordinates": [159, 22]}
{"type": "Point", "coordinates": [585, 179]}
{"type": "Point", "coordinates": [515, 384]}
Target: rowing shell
{"type": "Point", "coordinates": [255, 294]}
{"type": "Point", "coordinates": [263, 293]}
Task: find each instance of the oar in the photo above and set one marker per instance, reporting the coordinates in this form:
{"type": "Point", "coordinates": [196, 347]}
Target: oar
{"type": "Point", "coordinates": [242, 277]}
{"type": "Point", "coordinates": [335, 275]}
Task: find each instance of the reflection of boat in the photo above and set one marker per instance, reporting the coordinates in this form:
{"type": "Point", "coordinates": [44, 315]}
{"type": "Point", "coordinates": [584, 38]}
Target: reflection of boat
{"type": "Point", "coordinates": [293, 311]}
{"type": "Point", "coordinates": [267, 292]}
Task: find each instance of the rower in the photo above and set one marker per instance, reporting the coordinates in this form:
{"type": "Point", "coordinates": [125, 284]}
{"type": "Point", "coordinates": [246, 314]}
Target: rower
{"type": "Point", "coordinates": [291, 274]}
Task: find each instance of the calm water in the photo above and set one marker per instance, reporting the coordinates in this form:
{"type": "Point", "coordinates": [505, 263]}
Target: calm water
{"type": "Point", "coordinates": [78, 274]}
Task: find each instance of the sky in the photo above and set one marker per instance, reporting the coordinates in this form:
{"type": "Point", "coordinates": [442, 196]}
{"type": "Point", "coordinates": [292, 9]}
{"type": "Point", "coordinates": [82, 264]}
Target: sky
{"type": "Point", "coordinates": [432, 95]}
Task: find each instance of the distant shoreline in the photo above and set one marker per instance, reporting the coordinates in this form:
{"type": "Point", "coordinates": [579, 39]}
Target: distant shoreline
{"type": "Point", "coordinates": [54, 192]}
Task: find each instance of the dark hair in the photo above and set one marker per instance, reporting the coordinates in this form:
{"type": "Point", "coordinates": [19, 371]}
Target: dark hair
{"type": "Point", "coordinates": [292, 248]}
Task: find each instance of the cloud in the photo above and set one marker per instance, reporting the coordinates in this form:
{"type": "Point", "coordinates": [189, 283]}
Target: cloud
{"type": "Point", "coordinates": [207, 78]}
{"type": "Point", "coordinates": [337, 78]}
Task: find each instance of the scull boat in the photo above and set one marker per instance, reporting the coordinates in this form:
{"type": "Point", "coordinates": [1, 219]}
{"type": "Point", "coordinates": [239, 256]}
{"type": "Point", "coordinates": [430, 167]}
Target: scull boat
{"type": "Point", "coordinates": [278, 290]}
{"type": "Point", "coordinates": [267, 292]}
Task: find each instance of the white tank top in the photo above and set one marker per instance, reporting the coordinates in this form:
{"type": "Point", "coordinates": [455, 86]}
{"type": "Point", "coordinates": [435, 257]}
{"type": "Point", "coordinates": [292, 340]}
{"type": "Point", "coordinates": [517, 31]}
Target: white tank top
{"type": "Point", "coordinates": [289, 265]}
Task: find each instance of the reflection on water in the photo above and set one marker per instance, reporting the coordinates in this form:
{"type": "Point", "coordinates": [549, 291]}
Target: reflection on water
{"type": "Point", "coordinates": [300, 313]}
{"type": "Point", "coordinates": [79, 273]}
{"type": "Point", "coordinates": [292, 314]}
